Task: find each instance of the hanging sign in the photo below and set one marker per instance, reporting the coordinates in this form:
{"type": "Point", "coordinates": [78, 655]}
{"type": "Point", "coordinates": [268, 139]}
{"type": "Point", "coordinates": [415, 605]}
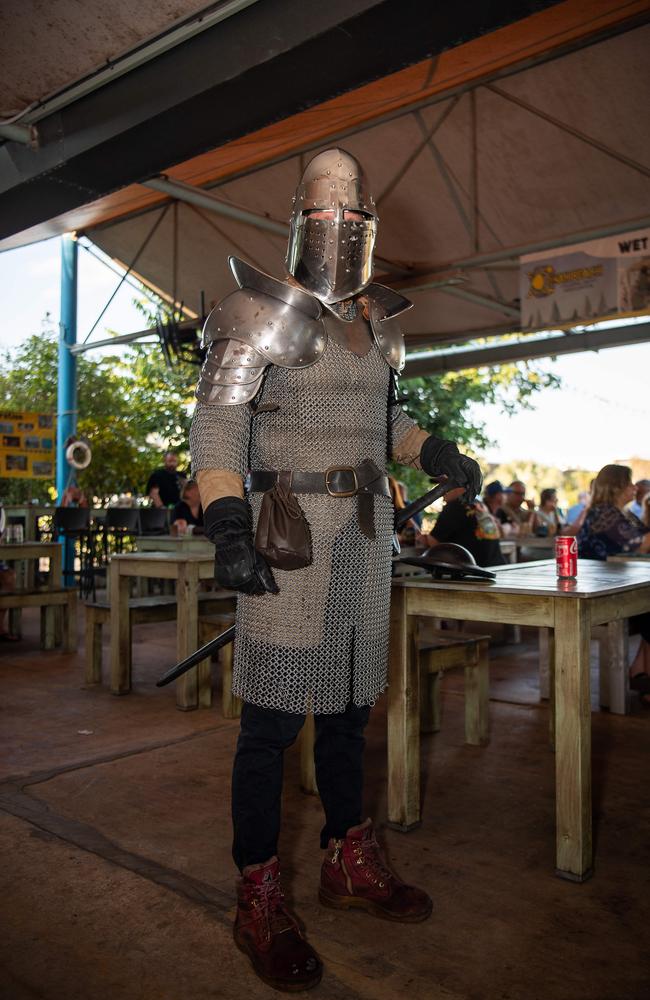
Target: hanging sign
{"type": "Point", "coordinates": [27, 444]}
{"type": "Point", "coordinates": [586, 282]}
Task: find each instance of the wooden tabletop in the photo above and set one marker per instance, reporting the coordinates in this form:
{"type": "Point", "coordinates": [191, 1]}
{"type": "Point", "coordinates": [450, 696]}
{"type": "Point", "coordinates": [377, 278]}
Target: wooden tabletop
{"type": "Point", "coordinates": [164, 557]}
{"type": "Point", "coordinates": [23, 550]}
{"type": "Point", "coordinates": [595, 579]}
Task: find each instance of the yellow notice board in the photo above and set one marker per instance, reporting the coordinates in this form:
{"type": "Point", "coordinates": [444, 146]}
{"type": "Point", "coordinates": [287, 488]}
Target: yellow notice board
{"type": "Point", "coordinates": [27, 444]}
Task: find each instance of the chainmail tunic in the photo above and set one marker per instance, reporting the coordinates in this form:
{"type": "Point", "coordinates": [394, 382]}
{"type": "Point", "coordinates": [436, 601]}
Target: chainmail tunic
{"type": "Point", "coordinates": [323, 640]}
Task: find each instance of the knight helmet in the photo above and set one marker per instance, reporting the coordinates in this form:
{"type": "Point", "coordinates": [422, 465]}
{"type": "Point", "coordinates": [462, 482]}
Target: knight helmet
{"type": "Point", "coordinates": [331, 257]}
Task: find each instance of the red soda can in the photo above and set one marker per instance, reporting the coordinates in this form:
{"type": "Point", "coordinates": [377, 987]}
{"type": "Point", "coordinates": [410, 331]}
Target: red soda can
{"type": "Point", "coordinates": [566, 556]}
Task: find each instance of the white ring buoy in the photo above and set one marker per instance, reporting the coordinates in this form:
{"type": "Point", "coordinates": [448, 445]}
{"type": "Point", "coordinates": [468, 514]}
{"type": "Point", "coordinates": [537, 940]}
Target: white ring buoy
{"type": "Point", "coordinates": [78, 455]}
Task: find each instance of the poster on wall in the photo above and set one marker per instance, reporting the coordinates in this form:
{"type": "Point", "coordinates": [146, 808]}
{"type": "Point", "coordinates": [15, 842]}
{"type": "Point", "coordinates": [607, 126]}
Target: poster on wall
{"type": "Point", "coordinates": [27, 444]}
{"type": "Point", "coordinates": [586, 282]}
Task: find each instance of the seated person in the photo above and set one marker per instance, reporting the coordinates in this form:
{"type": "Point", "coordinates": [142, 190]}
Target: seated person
{"type": "Point", "coordinates": [607, 530]}
{"type": "Point", "coordinates": [575, 514]}
{"type": "Point", "coordinates": [517, 510]}
{"type": "Point", "coordinates": [187, 516]}
{"type": "Point", "coordinates": [547, 519]}
{"type": "Point", "coordinates": [493, 498]}
{"type": "Point", "coordinates": [470, 525]}
{"type": "Point", "coordinates": [74, 496]}
{"type": "Point", "coordinates": [641, 493]}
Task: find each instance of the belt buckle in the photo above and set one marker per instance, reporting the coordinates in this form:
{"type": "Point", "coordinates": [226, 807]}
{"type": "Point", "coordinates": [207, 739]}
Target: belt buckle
{"type": "Point", "coordinates": [341, 468]}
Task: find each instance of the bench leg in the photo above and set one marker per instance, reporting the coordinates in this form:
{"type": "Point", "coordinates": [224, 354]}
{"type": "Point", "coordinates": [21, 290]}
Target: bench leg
{"type": "Point", "coordinates": [477, 697]}
{"type": "Point", "coordinates": [204, 682]}
{"type": "Point", "coordinates": [551, 696]}
{"type": "Point", "coordinates": [430, 700]}
{"type": "Point", "coordinates": [617, 667]}
{"type": "Point", "coordinates": [48, 626]}
{"type": "Point", "coordinates": [307, 766]}
{"type": "Point", "coordinates": [93, 650]}
{"type": "Point", "coordinates": [16, 622]}
{"type": "Point", "coordinates": [120, 624]}
{"type": "Point", "coordinates": [70, 625]}
{"type": "Point", "coordinates": [543, 639]}
{"type": "Point", "coordinates": [231, 705]}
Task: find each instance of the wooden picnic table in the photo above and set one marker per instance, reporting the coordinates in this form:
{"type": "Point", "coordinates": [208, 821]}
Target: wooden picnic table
{"type": "Point", "coordinates": [29, 595]}
{"type": "Point", "coordinates": [523, 594]}
{"type": "Point", "coordinates": [187, 569]}
{"type": "Point", "coordinates": [24, 551]}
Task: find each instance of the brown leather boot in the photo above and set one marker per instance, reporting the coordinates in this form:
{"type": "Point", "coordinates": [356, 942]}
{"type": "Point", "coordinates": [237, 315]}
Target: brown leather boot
{"type": "Point", "coordinates": [355, 875]}
{"type": "Point", "coordinates": [268, 933]}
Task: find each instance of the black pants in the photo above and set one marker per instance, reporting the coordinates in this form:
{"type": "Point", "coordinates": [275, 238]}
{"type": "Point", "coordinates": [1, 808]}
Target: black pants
{"type": "Point", "coordinates": [258, 768]}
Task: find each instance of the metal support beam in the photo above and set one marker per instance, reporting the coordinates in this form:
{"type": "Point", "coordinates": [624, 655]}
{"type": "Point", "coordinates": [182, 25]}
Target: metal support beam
{"type": "Point", "coordinates": [415, 281]}
{"type": "Point", "coordinates": [641, 168]}
{"type": "Point", "coordinates": [66, 416]}
{"type": "Point", "coordinates": [526, 349]}
{"type": "Point", "coordinates": [203, 199]}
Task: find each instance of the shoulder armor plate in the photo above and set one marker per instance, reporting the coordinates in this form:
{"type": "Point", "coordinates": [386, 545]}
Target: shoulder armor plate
{"type": "Point", "coordinates": [385, 306]}
{"type": "Point", "coordinates": [279, 322]}
{"type": "Point", "coordinates": [232, 373]}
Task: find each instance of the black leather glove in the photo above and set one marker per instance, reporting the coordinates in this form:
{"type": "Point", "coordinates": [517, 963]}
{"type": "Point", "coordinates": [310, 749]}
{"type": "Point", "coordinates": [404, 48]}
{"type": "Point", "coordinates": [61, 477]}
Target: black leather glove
{"type": "Point", "coordinates": [237, 563]}
{"type": "Point", "coordinates": [439, 457]}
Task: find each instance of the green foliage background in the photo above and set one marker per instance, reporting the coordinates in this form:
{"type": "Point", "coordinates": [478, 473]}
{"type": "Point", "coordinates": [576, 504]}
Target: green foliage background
{"type": "Point", "coordinates": [443, 405]}
{"type": "Point", "coordinates": [132, 407]}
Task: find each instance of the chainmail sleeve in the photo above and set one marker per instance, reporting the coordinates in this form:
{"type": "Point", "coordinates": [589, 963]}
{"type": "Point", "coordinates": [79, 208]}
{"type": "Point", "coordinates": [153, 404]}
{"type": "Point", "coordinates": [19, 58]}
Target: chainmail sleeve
{"type": "Point", "coordinates": [406, 438]}
{"type": "Point", "coordinates": [219, 438]}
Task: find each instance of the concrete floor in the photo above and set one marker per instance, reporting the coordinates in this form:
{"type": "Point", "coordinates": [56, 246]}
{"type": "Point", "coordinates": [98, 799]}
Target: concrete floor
{"type": "Point", "coordinates": [117, 882]}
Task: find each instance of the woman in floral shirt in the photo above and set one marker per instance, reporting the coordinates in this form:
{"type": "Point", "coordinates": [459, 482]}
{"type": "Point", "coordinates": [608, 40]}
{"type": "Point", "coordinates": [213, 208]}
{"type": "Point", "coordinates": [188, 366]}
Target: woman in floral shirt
{"type": "Point", "coordinates": [607, 531]}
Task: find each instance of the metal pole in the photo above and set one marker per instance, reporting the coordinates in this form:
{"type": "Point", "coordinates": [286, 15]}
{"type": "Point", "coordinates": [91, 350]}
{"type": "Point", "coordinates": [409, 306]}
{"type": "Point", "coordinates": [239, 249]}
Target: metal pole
{"type": "Point", "coordinates": [66, 417]}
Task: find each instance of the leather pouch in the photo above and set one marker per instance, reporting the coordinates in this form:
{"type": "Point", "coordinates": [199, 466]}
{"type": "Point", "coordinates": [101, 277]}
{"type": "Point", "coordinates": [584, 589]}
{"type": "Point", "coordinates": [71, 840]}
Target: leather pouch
{"type": "Point", "coordinates": [283, 536]}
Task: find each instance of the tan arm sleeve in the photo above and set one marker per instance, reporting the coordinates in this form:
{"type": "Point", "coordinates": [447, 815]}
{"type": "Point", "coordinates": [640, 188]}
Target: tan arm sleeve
{"type": "Point", "coordinates": [216, 483]}
{"type": "Point", "coordinates": [407, 449]}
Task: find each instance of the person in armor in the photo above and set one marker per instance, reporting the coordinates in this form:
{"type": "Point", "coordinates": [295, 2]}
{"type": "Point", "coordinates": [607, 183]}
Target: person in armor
{"type": "Point", "coordinates": [297, 396]}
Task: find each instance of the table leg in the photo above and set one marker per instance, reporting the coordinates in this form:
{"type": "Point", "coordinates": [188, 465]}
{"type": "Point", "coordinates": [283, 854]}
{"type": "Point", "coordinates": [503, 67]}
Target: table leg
{"type": "Point", "coordinates": [120, 631]}
{"type": "Point", "coordinates": [572, 740]}
{"type": "Point", "coordinates": [187, 633]}
{"type": "Point", "coordinates": [403, 719]}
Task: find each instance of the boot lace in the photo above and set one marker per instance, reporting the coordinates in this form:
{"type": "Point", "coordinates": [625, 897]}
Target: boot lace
{"type": "Point", "coordinates": [367, 855]}
{"type": "Point", "coordinates": [269, 907]}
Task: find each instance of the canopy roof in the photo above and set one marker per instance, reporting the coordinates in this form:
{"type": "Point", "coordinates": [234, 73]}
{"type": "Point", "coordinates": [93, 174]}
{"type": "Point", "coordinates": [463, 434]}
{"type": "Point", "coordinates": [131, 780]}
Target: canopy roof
{"type": "Point", "coordinates": [527, 136]}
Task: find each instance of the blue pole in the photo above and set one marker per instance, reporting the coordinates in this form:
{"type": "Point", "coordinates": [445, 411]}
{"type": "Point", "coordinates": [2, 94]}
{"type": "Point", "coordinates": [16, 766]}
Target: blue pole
{"type": "Point", "coordinates": [66, 417]}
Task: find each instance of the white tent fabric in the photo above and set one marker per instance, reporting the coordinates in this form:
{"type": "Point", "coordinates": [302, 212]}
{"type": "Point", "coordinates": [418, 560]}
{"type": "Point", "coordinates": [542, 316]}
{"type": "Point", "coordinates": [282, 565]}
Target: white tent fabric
{"type": "Point", "coordinates": [548, 153]}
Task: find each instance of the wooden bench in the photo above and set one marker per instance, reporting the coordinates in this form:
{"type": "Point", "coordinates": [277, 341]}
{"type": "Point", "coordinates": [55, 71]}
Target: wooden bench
{"type": "Point", "coordinates": [49, 600]}
{"type": "Point", "coordinates": [210, 626]}
{"type": "Point", "coordinates": [141, 610]}
{"type": "Point", "coordinates": [437, 650]}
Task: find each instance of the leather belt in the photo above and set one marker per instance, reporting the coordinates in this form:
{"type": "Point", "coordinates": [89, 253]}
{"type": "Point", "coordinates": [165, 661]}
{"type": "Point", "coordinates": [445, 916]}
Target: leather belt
{"type": "Point", "coordinates": [361, 481]}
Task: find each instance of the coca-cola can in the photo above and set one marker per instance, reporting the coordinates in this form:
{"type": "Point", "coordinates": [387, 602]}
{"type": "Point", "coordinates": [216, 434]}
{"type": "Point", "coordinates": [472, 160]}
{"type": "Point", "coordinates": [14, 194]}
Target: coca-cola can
{"type": "Point", "coordinates": [566, 556]}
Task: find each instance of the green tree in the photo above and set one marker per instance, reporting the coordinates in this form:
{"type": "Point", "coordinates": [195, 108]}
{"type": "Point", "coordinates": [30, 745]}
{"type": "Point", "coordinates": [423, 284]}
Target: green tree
{"type": "Point", "coordinates": [130, 407]}
{"type": "Point", "coordinates": [443, 405]}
